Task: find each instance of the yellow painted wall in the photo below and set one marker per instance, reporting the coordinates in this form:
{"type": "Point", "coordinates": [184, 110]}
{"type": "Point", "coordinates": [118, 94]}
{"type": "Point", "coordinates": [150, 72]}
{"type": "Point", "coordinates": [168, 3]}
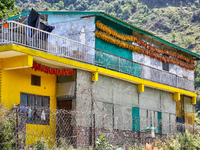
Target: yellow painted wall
{"type": "Point", "coordinates": [0, 78]}
{"type": "Point", "coordinates": [0, 63]}
{"type": "Point", "coordinates": [19, 80]}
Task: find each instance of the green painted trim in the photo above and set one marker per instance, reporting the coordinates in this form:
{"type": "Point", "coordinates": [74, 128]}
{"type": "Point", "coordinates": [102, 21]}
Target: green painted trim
{"type": "Point", "coordinates": [69, 12]}
{"type": "Point", "coordinates": [59, 13]}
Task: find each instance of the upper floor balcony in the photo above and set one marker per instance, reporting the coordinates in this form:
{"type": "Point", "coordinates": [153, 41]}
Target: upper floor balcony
{"type": "Point", "coordinates": [20, 34]}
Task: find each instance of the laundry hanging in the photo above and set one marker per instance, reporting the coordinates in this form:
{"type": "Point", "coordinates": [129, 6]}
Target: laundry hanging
{"type": "Point", "coordinates": [47, 28]}
{"type": "Point", "coordinates": [34, 21]}
{"type": "Point", "coordinates": [43, 117]}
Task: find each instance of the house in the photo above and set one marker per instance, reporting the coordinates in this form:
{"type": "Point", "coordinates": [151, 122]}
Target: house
{"type": "Point", "coordinates": [117, 78]}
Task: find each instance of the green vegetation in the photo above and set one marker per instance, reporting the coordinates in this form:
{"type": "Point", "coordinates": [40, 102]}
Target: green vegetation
{"type": "Point", "coordinates": [7, 124]}
{"type": "Point", "coordinates": [173, 36]}
{"type": "Point", "coordinates": [7, 5]}
{"type": "Point", "coordinates": [185, 141]}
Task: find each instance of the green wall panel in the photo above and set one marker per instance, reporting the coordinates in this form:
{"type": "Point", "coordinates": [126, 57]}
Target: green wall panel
{"type": "Point", "coordinates": [159, 118]}
{"type": "Point", "coordinates": [117, 27]}
{"type": "Point", "coordinates": [113, 62]}
{"type": "Point", "coordinates": [135, 119]}
{"type": "Point", "coordinates": [130, 67]}
{"type": "Point", "coordinates": [111, 48]}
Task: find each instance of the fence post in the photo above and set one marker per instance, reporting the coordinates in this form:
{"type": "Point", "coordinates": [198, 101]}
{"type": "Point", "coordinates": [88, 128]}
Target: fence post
{"type": "Point", "coordinates": [17, 130]}
{"type": "Point", "coordinates": [94, 131]}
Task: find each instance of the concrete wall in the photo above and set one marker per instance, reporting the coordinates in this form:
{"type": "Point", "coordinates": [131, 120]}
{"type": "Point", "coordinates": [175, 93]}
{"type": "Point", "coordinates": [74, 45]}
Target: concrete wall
{"type": "Point", "coordinates": [82, 31]}
{"type": "Point", "coordinates": [113, 102]}
{"type": "Point", "coordinates": [152, 70]}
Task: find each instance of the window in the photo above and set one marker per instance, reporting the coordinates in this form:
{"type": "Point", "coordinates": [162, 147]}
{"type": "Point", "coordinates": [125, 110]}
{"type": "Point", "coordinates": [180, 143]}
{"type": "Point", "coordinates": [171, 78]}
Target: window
{"type": "Point", "coordinates": [35, 80]}
{"type": "Point", "coordinates": [38, 108]}
{"type": "Point", "coordinates": [165, 66]}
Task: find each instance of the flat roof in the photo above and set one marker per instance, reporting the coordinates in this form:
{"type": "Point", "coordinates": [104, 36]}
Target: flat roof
{"type": "Point", "coordinates": [112, 18]}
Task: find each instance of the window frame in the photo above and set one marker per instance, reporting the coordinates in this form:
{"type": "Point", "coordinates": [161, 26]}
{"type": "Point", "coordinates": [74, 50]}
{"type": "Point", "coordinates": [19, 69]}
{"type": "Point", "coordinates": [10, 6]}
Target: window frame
{"type": "Point", "coordinates": [47, 122]}
{"type": "Point", "coordinates": [32, 75]}
{"type": "Point", "coordinates": [165, 64]}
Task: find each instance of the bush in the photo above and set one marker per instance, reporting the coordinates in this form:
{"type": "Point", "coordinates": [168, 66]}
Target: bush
{"type": "Point", "coordinates": [7, 124]}
{"type": "Point", "coordinates": [101, 143]}
{"type": "Point", "coordinates": [186, 141]}
{"type": "Point", "coordinates": [173, 36]}
{"type": "Point", "coordinates": [189, 40]}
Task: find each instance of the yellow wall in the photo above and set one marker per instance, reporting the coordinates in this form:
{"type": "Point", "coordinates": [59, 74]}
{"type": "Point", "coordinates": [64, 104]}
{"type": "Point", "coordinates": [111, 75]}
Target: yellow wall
{"type": "Point", "coordinates": [19, 80]}
{"type": "Point", "coordinates": [179, 108]}
{"type": "Point", "coordinates": [0, 78]}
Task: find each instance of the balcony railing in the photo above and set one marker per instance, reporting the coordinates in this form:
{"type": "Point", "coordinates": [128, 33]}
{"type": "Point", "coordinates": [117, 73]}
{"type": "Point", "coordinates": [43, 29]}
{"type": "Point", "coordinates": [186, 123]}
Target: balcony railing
{"type": "Point", "coordinates": [20, 34]}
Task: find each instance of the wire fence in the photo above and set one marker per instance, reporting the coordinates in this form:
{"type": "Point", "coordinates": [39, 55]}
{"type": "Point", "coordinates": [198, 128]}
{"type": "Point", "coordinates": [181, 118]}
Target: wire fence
{"type": "Point", "coordinates": [27, 127]}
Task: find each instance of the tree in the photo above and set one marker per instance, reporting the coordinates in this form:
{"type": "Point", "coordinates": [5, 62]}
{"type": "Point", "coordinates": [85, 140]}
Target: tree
{"type": "Point", "coordinates": [6, 5]}
{"type": "Point", "coordinates": [146, 9]}
{"type": "Point", "coordinates": [189, 40]}
{"type": "Point", "coordinates": [173, 36]}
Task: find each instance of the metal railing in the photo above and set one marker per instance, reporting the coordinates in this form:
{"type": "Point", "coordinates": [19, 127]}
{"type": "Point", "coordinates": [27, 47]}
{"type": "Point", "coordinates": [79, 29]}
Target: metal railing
{"type": "Point", "coordinates": [17, 33]}
{"type": "Point", "coordinates": [20, 34]}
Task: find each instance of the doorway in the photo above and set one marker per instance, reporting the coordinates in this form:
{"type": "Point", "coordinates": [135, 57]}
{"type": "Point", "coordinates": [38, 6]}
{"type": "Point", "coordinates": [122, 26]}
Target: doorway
{"type": "Point", "coordinates": [64, 121]}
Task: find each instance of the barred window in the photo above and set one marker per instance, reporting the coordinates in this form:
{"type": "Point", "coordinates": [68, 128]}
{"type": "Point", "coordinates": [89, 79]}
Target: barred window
{"type": "Point", "coordinates": [35, 80]}
{"type": "Point", "coordinates": [38, 108]}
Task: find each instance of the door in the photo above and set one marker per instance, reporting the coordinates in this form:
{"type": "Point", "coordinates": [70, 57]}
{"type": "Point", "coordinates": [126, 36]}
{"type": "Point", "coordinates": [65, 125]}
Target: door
{"type": "Point", "coordinates": [64, 121]}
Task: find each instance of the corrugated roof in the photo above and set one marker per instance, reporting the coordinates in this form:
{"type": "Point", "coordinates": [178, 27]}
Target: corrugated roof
{"type": "Point", "coordinates": [123, 23]}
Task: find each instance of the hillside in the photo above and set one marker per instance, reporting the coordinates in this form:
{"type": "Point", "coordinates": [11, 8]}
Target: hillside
{"type": "Point", "coordinates": [177, 21]}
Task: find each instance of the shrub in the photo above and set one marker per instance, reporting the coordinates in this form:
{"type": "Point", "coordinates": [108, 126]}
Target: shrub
{"type": "Point", "coordinates": [189, 40]}
{"type": "Point", "coordinates": [173, 36]}
{"type": "Point", "coordinates": [7, 124]}
{"type": "Point", "coordinates": [101, 143]}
